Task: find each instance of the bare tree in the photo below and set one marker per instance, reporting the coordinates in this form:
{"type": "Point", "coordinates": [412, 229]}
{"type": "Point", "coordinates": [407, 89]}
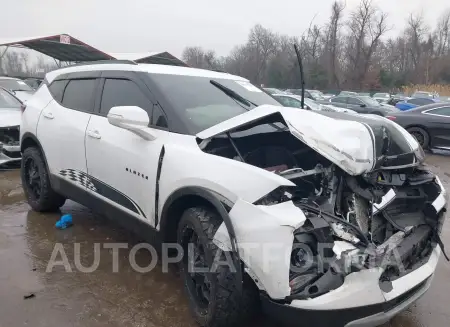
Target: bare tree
{"type": "Point", "coordinates": [332, 45]}
{"type": "Point", "coordinates": [367, 25]}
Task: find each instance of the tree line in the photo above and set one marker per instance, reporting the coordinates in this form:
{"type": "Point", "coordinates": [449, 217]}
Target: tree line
{"type": "Point", "coordinates": [350, 51]}
{"type": "Point", "coordinates": [19, 64]}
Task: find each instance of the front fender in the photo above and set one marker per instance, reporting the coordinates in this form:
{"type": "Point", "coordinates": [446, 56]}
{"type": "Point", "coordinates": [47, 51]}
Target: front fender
{"type": "Point", "coordinates": [265, 236]}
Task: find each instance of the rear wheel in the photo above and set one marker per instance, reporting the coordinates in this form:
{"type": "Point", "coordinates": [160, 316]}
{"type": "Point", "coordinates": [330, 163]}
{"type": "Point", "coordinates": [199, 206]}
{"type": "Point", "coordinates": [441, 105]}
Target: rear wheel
{"type": "Point", "coordinates": [421, 135]}
{"type": "Point", "coordinates": [36, 183]}
{"type": "Point", "coordinates": [213, 297]}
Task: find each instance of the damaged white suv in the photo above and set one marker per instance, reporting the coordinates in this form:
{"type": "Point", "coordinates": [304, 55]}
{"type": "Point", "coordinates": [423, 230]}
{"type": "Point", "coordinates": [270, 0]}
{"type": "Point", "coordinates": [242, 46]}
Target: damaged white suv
{"type": "Point", "coordinates": [325, 219]}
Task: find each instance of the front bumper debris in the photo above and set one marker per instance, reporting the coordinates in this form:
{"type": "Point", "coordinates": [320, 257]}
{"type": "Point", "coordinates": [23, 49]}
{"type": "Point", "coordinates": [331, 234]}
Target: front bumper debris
{"type": "Point", "coordinates": [374, 306]}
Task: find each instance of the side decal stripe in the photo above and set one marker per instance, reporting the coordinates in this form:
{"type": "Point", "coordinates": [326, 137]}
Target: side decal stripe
{"type": "Point", "coordinates": [94, 185]}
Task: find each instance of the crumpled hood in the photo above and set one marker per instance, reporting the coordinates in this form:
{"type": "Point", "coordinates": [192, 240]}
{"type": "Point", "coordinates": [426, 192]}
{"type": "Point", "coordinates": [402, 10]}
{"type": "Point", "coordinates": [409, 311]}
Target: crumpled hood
{"type": "Point", "coordinates": [349, 142]}
{"type": "Point", "coordinates": [10, 117]}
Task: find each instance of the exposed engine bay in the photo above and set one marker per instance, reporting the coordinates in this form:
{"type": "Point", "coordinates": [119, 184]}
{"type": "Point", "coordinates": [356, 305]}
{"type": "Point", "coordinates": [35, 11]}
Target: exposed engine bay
{"type": "Point", "coordinates": [388, 215]}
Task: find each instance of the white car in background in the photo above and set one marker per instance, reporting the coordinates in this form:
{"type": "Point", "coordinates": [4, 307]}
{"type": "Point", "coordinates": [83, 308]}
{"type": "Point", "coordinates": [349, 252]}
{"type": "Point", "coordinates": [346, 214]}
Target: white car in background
{"type": "Point", "coordinates": [294, 101]}
{"type": "Point", "coordinates": [18, 87]}
{"type": "Point", "coordinates": [10, 114]}
{"type": "Point", "coordinates": [382, 98]}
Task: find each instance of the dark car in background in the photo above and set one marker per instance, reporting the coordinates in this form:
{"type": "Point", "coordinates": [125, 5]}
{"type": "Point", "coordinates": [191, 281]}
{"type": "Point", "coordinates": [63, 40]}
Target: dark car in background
{"type": "Point", "coordinates": [414, 102]}
{"type": "Point", "coordinates": [18, 87]}
{"type": "Point", "coordinates": [362, 105]}
{"type": "Point", "coordinates": [430, 124]}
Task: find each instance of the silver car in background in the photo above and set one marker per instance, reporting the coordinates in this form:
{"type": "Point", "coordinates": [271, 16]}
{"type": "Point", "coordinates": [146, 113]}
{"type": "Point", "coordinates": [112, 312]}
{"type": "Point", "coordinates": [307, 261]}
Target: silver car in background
{"type": "Point", "coordinates": [10, 116]}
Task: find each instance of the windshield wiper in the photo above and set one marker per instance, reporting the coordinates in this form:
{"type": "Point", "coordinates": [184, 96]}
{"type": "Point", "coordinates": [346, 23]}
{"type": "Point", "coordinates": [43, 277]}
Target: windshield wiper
{"type": "Point", "coordinates": [232, 94]}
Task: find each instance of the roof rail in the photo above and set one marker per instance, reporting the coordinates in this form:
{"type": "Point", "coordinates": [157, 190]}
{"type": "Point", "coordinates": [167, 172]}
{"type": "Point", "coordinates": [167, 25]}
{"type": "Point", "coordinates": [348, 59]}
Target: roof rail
{"type": "Point", "coordinates": [101, 62]}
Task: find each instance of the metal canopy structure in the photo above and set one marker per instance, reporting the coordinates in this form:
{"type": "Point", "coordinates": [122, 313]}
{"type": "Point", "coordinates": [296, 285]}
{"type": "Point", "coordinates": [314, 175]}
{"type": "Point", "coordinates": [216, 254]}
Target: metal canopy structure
{"type": "Point", "coordinates": [62, 47]}
{"type": "Point", "coordinates": [159, 58]}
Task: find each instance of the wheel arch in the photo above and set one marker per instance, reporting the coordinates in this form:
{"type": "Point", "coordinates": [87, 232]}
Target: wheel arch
{"type": "Point", "coordinates": [188, 197]}
{"type": "Point", "coordinates": [30, 140]}
{"type": "Point", "coordinates": [422, 127]}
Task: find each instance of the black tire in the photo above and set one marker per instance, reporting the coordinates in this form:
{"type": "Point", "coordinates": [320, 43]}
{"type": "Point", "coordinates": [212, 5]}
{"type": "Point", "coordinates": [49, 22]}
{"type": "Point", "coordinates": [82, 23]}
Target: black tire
{"type": "Point", "coordinates": [421, 136]}
{"type": "Point", "coordinates": [225, 305]}
{"type": "Point", "coordinates": [36, 183]}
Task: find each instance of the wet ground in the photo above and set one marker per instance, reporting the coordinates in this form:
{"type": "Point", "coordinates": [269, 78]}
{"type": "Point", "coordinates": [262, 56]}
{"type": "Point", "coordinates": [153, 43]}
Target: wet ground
{"type": "Point", "coordinates": [126, 297]}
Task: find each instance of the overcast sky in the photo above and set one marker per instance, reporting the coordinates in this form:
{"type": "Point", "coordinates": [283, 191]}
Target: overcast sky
{"type": "Point", "coordinates": [150, 25]}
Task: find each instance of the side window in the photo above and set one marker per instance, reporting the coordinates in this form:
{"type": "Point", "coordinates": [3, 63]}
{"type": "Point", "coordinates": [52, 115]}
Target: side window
{"type": "Point", "coordinates": [339, 100]}
{"type": "Point", "coordinates": [440, 111]}
{"type": "Point", "coordinates": [295, 103]}
{"type": "Point", "coordinates": [354, 101]}
{"type": "Point", "coordinates": [158, 118]}
{"type": "Point", "coordinates": [283, 100]}
{"type": "Point", "coordinates": [57, 89]}
{"type": "Point", "coordinates": [78, 94]}
{"type": "Point", "coordinates": [420, 101]}
{"type": "Point", "coordinates": [122, 92]}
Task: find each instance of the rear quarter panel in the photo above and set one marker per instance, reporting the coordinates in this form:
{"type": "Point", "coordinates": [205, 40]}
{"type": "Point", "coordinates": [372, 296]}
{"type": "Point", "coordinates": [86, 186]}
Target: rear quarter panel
{"type": "Point", "coordinates": [34, 107]}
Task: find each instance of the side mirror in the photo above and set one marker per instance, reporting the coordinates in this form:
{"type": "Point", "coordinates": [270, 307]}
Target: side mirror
{"type": "Point", "coordinates": [131, 118]}
{"type": "Point", "coordinates": [363, 105]}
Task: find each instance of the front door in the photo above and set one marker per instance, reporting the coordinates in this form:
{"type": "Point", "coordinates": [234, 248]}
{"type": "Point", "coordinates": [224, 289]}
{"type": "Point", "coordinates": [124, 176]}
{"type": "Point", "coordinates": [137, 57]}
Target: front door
{"type": "Point", "coordinates": [122, 165]}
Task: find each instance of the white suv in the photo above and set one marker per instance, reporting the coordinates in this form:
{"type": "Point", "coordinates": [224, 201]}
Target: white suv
{"type": "Point", "coordinates": [320, 217]}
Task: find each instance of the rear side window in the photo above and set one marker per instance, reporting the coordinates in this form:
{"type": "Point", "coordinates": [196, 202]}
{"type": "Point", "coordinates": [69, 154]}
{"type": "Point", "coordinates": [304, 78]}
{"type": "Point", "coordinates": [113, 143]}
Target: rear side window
{"type": "Point", "coordinates": [354, 101]}
{"type": "Point", "coordinates": [445, 111]}
{"type": "Point", "coordinates": [79, 94]}
{"type": "Point", "coordinates": [122, 92]}
{"type": "Point", "coordinates": [57, 89]}
{"type": "Point", "coordinates": [420, 101]}
{"type": "Point", "coordinates": [339, 100]}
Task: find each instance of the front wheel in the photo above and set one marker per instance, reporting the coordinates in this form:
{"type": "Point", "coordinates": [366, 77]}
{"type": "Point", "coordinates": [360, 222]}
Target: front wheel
{"type": "Point", "coordinates": [422, 137]}
{"type": "Point", "coordinates": [213, 297]}
{"type": "Point", "coordinates": [36, 182]}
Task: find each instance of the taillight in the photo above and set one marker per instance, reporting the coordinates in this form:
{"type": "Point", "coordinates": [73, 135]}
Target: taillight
{"type": "Point", "coordinates": [391, 117]}
{"type": "Point", "coordinates": [23, 107]}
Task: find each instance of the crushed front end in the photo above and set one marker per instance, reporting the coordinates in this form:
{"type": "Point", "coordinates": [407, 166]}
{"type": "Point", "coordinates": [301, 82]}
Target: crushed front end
{"type": "Point", "coordinates": [368, 248]}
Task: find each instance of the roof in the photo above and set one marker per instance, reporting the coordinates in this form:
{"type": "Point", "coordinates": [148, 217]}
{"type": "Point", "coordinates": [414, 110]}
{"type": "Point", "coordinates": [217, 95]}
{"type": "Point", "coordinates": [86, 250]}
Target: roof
{"type": "Point", "coordinates": [62, 47]}
{"type": "Point", "coordinates": [7, 77]}
{"type": "Point", "coordinates": [149, 68]}
{"type": "Point", "coordinates": [160, 58]}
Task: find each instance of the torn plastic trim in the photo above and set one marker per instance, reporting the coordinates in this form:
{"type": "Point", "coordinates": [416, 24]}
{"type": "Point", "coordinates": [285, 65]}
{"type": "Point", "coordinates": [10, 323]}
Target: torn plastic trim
{"type": "Point", "coordinates": [265, 235]}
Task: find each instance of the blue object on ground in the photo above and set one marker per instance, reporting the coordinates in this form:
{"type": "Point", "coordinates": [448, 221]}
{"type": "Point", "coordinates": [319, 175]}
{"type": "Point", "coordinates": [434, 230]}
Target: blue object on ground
{"type": "Point", "coordinates": [64, 222]}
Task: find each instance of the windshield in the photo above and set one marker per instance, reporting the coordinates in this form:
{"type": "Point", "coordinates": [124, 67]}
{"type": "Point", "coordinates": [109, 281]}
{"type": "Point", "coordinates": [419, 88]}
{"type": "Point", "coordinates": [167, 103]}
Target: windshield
{"type": "Point", "coordinates": [15, 85]}
{"type": "Point", "coordinates": [370, 102]}
{"type": "Point", "coordinates": [7, 101]}
{"type": "Point", "coordinates": [200, 104]}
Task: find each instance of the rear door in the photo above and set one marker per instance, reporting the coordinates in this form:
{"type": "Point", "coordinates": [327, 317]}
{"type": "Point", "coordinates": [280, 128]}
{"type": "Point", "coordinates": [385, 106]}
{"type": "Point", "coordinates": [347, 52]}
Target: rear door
{"type": "Point", "coordinates": [122, 165]}
{"type": "Point", "coordinates": [438, 123]}
{"type": "Point", "coordinates": [62, 126]}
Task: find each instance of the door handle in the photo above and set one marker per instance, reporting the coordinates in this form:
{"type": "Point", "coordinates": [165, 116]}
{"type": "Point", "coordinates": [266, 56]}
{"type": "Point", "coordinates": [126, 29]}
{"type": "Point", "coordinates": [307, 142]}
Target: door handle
{"type": "Point", "coordinates": [48, 115]}
{"type": "Point", "coordinates": [94, 134]}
